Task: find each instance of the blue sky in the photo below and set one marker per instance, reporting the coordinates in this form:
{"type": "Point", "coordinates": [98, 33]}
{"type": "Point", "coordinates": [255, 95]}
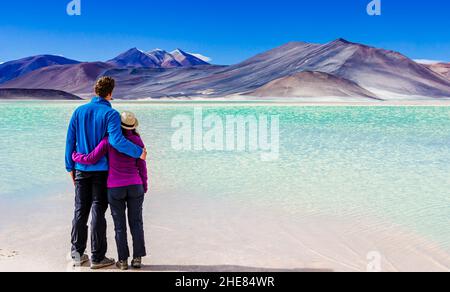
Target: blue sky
{"type": "Point", "coordinates": [228, 31]}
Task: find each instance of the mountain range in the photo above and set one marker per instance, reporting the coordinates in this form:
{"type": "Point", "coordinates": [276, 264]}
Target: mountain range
{"type": "Point", "coordinates": [156, 59]}
{"type": "Point", "coordinates": [340, 69]}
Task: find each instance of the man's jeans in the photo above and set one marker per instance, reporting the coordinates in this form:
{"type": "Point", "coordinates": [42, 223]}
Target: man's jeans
{"type": "Point", "coordinates": [91, 195]}
{"type": "Point", "coordinates": [131, 197]}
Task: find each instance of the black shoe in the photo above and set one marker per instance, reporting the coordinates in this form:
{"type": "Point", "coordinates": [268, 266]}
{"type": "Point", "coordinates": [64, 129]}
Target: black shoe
{"type": "Point", "coordinates": [136, 263]}
{"type": "Point", "coordinates": [103, 264]}
{"type": "Point", "coordinates": [122, 265]}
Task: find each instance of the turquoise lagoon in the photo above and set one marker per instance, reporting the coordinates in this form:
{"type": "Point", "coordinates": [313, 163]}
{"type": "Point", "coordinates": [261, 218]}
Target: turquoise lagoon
{"type": "Point", "coordinates": [389, 163]}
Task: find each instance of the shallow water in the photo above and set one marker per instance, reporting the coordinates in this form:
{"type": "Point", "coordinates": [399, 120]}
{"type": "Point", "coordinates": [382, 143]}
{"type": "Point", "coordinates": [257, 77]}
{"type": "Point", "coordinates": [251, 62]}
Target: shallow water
{"type": "Point", "coordinates": [383, 163]}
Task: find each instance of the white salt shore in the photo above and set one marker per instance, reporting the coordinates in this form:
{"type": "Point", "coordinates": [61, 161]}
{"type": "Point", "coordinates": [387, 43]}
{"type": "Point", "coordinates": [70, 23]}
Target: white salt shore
{"type": "Point", "coordinates": [193, 234]}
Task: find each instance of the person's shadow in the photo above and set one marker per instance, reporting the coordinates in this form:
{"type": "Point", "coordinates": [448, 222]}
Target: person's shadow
{"type": "Point", "coordinates": [222, 269]}
{"type": "Point", "coordinates": [215, 269]}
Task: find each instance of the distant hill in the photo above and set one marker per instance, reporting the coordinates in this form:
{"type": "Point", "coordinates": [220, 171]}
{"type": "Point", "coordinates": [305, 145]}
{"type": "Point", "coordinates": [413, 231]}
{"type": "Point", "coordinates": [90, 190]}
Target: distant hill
{"type": "Point", "coordinates": [441, 68]}
{"type": "Point", "coordinates": [35, 94]}
{"type": "Point", "coordinates": [78, 79]}
{"type": "Point", "coordinates": [312, 84]}
{"type": "Point", "coordinates": [17, 68]}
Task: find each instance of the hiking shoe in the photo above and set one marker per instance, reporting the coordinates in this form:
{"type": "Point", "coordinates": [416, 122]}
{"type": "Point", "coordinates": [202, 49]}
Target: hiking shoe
{"type": "Point", "coordinates": [122, 265]}
{"type": "Point", "coordinates": [80, 261]}
{"type": "Point", "coordinates": [103, 264]}
{"type": "Point", "coordinates": [136, 263]}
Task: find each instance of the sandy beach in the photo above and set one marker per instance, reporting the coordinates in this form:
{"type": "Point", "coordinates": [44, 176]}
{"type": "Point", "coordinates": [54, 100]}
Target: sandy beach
{"type": "Point", "coordinates": [194, 235]}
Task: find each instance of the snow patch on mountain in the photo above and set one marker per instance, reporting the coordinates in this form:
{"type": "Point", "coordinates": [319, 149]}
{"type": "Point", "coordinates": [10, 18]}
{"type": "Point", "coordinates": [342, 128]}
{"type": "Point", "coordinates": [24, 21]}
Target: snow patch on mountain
{"type": "Point", "coordinates": [201, 57]}
{"type": "Point", "coordinates": [427, 62]}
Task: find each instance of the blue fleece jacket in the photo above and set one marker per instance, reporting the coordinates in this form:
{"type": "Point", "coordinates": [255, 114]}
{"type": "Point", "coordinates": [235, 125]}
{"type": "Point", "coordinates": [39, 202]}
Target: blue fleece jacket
{"type": "Point", "coordinates": [90, 123]}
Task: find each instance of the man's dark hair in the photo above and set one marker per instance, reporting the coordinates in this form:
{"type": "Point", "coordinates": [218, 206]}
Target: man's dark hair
{"type": "Point", "coordinates": [104, 86]}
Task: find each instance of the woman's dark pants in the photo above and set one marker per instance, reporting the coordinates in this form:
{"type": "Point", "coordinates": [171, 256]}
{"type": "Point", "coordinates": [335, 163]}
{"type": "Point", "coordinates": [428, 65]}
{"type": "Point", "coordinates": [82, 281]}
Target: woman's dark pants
{"type": "Point", "coordinates": [122, 200]}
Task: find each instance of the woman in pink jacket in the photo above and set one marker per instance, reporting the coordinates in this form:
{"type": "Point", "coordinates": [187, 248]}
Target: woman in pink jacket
{"type": "Point", "coordinates": [127, 185]}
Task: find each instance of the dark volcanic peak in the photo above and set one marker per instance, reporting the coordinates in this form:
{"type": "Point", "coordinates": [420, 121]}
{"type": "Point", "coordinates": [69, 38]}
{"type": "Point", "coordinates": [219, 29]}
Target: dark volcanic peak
{"type": "Point", "coordinates": [343, 41]}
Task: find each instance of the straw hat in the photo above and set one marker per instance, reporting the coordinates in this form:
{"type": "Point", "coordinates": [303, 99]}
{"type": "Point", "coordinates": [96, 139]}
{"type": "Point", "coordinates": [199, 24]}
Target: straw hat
{"type": "Point", "coordinates": [129, 121]}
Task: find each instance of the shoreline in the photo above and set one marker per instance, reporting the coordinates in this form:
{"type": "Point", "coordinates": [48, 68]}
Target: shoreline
{"type": "Point", "coordinates": [253, 103]}
{"type": "Point", "coordinates": [223, 236]}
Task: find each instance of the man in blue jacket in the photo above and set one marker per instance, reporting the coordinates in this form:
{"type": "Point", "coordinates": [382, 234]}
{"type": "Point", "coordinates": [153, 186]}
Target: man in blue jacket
{"type": "Point", "coordinates": [90, 123]}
